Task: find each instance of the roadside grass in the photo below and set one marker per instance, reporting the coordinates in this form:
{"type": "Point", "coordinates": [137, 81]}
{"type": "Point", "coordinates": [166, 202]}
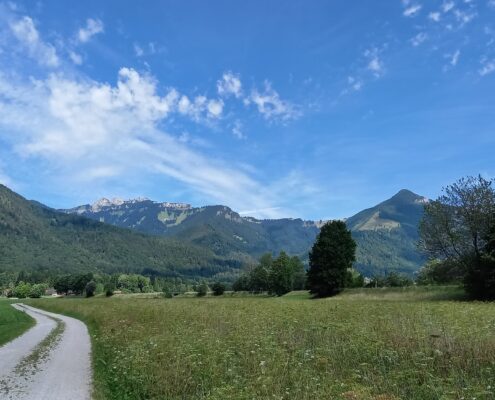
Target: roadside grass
{"type": "Point", "coordinates": [13, 322]}
{"type": "Point", "coordinates": [361, 345]}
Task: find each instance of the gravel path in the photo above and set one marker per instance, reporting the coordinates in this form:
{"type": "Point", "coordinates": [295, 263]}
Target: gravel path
{"type": "Point", "coordinates": [50, 361]}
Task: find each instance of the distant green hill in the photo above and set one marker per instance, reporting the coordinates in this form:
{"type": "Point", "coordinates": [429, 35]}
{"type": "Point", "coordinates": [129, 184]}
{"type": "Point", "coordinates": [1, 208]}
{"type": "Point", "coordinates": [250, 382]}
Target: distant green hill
{"type": "Point", "coordinates": [36, 238]}
{"type": "Point", "coordinates": [386, 234]}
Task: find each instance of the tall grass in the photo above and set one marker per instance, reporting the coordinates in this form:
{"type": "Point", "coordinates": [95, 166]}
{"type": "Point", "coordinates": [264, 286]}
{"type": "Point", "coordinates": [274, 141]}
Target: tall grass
{"type": "Point", "coordinates": [348, 347]}
{"type": "Point", "coordinates": [12, 322]}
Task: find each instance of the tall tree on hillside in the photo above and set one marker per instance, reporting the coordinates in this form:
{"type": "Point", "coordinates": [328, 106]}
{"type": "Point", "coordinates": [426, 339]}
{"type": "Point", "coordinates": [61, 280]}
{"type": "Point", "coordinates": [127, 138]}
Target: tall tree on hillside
{"type": "Point", "coordinates": [458, 227]}
{"type": "Point", "coordinates": [330, 258]}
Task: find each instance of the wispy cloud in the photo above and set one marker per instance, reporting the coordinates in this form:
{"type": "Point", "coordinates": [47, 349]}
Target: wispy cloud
{"type": "Point", "coordinates": [237, 130]}
{"type": "Point", "coordinates": [271, 106]}
{"type": "Point", "coordinates": [487, 67]}
{"type": "Point", "coordinates": [454, 59]}
{"type": "Point", "coordinates": [27, 34]}
{"type": "Point", "coordinates": [411, 10]}
{"type": "Point", "coordinates": [447, 6]}
{"type": "Point", "coordinates": [200, 107]}
{"type": "Point", "coordinates": [419, 39]}
{"type": "Point", "coordinates": [375, 64]}
{"type": "Point", "coordinates": [148, 49]}
{"type": "Point", "coordinates": [76, 58]}
{"type": "Point", "coordinates": [95, 131]}
{"type": "Point", "coordinates": [93, 27]}
{"type": "Point", "coordinates": [355, 84]}
{"type": "Point", "coordinates": [230, 84]}
{"type": "Point", "coordinates": [434, 16]}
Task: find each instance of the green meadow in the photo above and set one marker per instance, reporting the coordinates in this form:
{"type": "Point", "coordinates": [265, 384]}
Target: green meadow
{"type": "Point", "coordinates": [379, 344]}
{"type": "Point", "coordinates": [12, 322]}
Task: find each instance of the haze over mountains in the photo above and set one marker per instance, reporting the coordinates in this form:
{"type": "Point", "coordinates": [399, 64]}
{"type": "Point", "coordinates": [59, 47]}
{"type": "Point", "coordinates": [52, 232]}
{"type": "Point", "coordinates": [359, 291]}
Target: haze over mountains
{"type": "Point", "coordinates": [386, 234]}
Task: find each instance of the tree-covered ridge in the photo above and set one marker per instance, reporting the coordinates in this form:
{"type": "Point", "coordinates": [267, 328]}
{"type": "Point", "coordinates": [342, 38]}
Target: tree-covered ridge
{"type": "Point", "coordinates": [386, 234]}
{"type": "Point", "coordinates": [36, 238]}
{"type": "Point", "coordinates": [216, 227]}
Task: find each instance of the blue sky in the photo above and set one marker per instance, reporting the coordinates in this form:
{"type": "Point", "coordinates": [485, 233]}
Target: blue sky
{"type": "Point", "coordinates": [310, 109]}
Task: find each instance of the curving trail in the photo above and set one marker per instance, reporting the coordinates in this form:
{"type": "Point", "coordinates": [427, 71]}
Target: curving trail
{"type": "Point", "coordinates": [50, 361]}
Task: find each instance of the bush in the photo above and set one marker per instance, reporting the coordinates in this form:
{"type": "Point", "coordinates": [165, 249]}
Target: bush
{"type": "Point", "coordinates": [90, 289]}
{"type": "Point", "coordinates": [22, 290]}
{"type": "Point", "coordinates": [37, 290]}
{"type": "Point", "coordinates": [202, 290]}
{"type": "Point", "coordinates": [241, 284]}
{"type": "Point", "coordinates": [109, 289]}
{"type": "Point", "coordinates": [218, 288]}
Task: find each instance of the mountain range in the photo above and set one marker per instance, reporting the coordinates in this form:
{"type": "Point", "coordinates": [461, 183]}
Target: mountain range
{"type": "Point", "coordinates": [175, 239]}
{"type": "Point", "coordinates": [41, 240]}
{"type": "Point", "coordinates": [386, 234]}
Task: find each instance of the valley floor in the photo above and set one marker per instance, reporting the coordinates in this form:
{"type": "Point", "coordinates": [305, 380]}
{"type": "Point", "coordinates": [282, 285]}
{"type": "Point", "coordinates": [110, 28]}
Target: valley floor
{"type": "Point", "coordinates": [375, 344]}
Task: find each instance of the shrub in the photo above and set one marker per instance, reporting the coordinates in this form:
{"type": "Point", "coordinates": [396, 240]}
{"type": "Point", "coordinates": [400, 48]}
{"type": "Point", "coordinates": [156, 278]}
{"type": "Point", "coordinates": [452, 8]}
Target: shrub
{"type": "Point", "coordinates": [241, 284]}
{"type": "Point", "coordinates": [218, 288]}
{"type": "Point", "coordinates": [202, 290]}
{"type": "Point", "coordinates": [22, 290]}
{"type": "Point", "coordinates": [109, 289]}
{"type": "Point", "coordinates": [37, 290]}
{"type": "Point", "coordinates": [90, 289]}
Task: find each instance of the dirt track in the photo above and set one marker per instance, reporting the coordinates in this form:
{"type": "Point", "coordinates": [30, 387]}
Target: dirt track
{"type": "Point", "coordinates": [50, 361]}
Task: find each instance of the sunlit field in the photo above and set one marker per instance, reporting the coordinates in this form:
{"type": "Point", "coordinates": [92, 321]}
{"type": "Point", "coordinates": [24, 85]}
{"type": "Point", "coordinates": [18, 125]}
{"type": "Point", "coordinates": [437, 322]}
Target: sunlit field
{"type": "Point", "coordinates": [375, 344]}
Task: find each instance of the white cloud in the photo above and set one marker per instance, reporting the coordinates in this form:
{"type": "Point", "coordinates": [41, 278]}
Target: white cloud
{"type": "Point", "coordinates": [230, 84]}
{"type": "Point", "coordinates": [93, 27]}
{"type": "Point", "coordinates": [271, 106]}
{"type": "Point", "coordinates": [25, 31]}
{"type": "Point", "coordinates": [434, 16]}
{"type": "Point", "coordinates": [149, 49]}
{"type": "Point", "coordinates": [88, 131]}
{"type": "Point", "coordinates": [412, 10]}
{"type": "Point", "coordinates": [138, 50]}
{"type": "Point", "coordinates": [200, 107]}
{"type": "Point", "coordinates": [75, 57]}
{"type": "Point", "coordinates": [375, 64]}
{"type": "Point", "coordinates": [215, 108]}
{"type": "Point", "coordinates": [447, 6]}
{"type": "Point", "coordinates": [464, 17]}
{"type": "Point", "coordinates": [237, 130]}
{"type": "Point", "coordinates": [455, 58]}
{"type": "Point", "coordinates": [354, 85]}
{"type": "Point", "coordinates": [419, 39]}
{"type": "Point", "coordinates": [488, 67]}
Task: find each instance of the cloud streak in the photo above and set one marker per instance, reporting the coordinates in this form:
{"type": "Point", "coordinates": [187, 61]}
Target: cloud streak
{"type": "Point", "coordinates": [26, 33]}
{"type": "Point", "coordinates": [92, 28]}
{"type": "Point", "coordinates": [91, 131]}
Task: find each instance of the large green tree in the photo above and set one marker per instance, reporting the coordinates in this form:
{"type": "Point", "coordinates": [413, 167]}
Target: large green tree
{"type": "Point", "coordinates": [281, 275]}
{"type": "Point", "coordinates": [458, 226]}
{"type": "Point", "coordinates": [330, 258]}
